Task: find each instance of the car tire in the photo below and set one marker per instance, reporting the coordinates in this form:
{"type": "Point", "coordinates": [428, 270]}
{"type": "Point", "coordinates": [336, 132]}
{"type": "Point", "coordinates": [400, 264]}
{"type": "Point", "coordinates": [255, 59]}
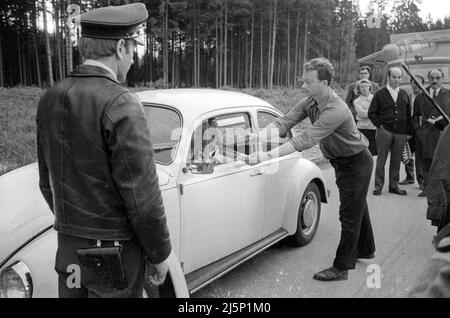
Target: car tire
{"type": "Point", "coordinates": [308, 216]}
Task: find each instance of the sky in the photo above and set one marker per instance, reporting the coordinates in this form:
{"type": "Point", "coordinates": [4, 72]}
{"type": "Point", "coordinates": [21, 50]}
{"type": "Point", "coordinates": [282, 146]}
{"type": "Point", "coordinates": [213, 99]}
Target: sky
{"type": "Point", "coordinates": [438, 9]}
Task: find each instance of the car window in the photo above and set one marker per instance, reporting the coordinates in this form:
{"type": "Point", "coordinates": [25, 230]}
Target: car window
{"type": "Point", "coordinates": [165, 128]}
{"type": "Point", "coordinates": [222, 139]}
{"type": "Point", "coordinates": [264, 119]}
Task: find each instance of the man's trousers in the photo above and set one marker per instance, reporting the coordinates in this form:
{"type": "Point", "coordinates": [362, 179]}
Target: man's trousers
{"type": "Point", "coordinates": [393, 143]}
{"type": "Point", "coordinates": [353, 178]}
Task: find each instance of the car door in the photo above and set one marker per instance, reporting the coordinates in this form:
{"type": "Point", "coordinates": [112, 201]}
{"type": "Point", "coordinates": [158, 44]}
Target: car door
{"type": "Point", "coordinates": [278, 173]}
{"type": "Point", "coordinates": [223, 211]}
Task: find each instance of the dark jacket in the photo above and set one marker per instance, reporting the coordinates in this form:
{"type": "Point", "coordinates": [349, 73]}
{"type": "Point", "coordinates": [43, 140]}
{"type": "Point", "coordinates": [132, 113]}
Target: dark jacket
{"type": "Point", "coordinates": [427, 134]}
{"type": "Point", "coordinates": [394, 116]}
{"type": "Point", "coordinates": [352, 94]}
{"type": "Point", "coordinates": [96, 165]}
{"type": "Point", "coordinates": [438, 189]}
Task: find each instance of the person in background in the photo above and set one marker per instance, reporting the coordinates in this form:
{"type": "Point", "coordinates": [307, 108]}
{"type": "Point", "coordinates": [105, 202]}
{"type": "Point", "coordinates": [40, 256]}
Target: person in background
{"type": "Point", "coordinates": [414, 162]}
{"type": "Point", "coordinates": [428, 122]}
{"type": "Point", "coordinates": [390, 112]}
{"type": "Point", "coordinates": [364, 72]}
{"type": "Point", "coordinates": [362, 104]}
{"type": "Point", "coordinates": [334, 129]}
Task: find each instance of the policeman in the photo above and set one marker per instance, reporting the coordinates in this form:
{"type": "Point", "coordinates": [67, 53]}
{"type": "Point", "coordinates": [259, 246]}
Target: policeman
{"type": "Point", "coordinates": [97, 169]}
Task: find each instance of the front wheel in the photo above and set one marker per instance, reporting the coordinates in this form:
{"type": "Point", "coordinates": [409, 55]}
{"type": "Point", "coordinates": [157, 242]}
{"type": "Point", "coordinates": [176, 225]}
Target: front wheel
{"type": "Point", "coordinates": [308, 215]}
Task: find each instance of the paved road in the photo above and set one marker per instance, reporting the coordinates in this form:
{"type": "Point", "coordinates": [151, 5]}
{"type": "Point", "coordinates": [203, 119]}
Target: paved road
{"type": "Point", "coordinates": [403, 239]}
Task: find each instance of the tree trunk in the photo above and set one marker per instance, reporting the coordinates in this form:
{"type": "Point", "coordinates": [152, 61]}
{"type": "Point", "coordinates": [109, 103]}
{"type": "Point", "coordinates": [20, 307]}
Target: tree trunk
{"type": "Point", "coordinates": [173, 60]}
{"type": "Point", "coordinates": [288, 66]}
{"type": "Point", "coordinates": [297, 33]}
{"type": "Point", "coordinates": [274, 34]}
{"type": "Point", "coordinates": [225, 44]}
{"type": "Point", "coordinates": [180, 60]}
{"type": "Point", "coordinates": [194, 40]}
{"type": "Point", "coordinates": [305, 44]}
{"type": "Point", "coordinates": [245, 59]}
{"type": "Point", "coordinates": [250, 84]}
{"type": "Point", "coordinates": [231, 59]}
{"type": "Point", "coordinates": [221, 46]}
{"type": "Point", "coordinates": [58, 39]}
{"type": "Point", "coordinates": [199, 42]}
{"type": "Point", "coordinates": [69, 52]}
{"type": "Point", "coordinates": [47, 46]}
{"type": "Point", "coordinates": [261, 55]}
{"type": "Point", "coordinates": [217, 54]}
{"type": "Point", "coordinates": [269, 52]}
{"type": "Point", "coordinates": [239, 60]}
{"type": "Point", "coordinates": [341, 53]}
{"type": "Point", "coordinates": [349, 49]}
{"type": "Point", "coordinates": [165, 45]}
{"type": "Point", "coordinates": [36, 53]}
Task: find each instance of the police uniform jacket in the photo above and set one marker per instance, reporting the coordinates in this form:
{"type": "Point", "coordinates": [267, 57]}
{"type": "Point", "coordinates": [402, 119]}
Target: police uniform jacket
{"type": "Point", "coordinates": [96, 165]}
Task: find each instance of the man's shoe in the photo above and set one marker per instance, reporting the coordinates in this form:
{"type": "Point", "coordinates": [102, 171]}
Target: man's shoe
{"type": "Point", "coordinates": [406, 181]}
{"type": "Point", "coordinates": [370, 256]}
{"type": "Point", "coordinates": [422, 194]}
{"type": "Point", "coordinates": [376, 192]}
{"type": "Point", "coordinates": [398, 191]}
{"type": "Point", "coordinates": [331, 274]}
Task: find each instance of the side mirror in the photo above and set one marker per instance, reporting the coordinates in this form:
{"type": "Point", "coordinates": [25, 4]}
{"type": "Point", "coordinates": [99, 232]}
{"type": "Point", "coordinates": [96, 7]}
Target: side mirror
{"type": "Point", "coordinates": [201, 167]}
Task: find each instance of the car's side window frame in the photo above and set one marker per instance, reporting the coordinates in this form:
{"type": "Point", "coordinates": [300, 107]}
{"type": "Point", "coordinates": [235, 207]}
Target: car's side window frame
{"type": "Point", "coordinates": [276, 115]}
{"type": "Point", "coordinates": [214, 117]}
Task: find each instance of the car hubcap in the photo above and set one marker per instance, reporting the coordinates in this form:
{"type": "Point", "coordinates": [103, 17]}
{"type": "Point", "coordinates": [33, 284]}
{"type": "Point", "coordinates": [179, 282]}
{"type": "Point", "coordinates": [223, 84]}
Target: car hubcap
{"type": "Point", "coordinates": [309, 212]}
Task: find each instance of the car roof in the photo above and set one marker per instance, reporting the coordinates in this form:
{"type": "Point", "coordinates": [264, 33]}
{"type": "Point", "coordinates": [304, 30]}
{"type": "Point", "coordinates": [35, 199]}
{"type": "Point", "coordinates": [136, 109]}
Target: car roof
{"type": "Point", "coordinates": [194, 102]}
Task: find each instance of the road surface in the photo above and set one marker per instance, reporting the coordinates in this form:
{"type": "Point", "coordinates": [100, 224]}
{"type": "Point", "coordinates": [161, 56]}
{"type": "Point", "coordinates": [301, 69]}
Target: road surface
{"type": "Point", "coordinates": [403, 241]}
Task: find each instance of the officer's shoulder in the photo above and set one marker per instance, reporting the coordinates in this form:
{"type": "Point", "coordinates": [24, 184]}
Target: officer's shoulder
{"type": "Point", "coordinates": [125, 98]}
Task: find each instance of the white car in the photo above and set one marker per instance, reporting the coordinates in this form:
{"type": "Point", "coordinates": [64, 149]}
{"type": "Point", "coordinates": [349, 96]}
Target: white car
{"type": "Point", "coordinates": [220, 213]}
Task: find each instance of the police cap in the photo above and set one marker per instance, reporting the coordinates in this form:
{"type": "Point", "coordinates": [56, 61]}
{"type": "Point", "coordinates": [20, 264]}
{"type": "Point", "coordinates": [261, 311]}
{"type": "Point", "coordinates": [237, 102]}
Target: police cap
{"type": "Point", "coordinates": [114, 22]}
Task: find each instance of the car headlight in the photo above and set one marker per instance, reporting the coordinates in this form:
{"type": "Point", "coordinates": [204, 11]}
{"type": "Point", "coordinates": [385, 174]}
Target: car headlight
{"type": "Point", "coordinates": [15, 281]}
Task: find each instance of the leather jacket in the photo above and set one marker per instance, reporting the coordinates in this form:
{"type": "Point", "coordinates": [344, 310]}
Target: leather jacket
{"type": "Point", "coordinates": [96, 166]}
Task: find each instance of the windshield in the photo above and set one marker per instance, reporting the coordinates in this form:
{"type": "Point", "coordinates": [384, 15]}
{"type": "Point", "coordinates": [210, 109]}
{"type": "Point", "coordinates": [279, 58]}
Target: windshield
{"type": "Point", "coordinates": [165, 129]}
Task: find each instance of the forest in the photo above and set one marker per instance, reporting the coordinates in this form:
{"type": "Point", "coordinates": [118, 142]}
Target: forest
{"type": "Point", "coordinates": [206, 43]}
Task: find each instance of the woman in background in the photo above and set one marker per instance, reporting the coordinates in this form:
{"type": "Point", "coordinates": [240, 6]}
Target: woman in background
{"type": "Point", "coordinates": [362, 103]}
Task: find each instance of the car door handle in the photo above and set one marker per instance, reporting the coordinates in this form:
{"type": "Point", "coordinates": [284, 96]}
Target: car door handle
{"type": "Point", "coordinates": [257, 172]}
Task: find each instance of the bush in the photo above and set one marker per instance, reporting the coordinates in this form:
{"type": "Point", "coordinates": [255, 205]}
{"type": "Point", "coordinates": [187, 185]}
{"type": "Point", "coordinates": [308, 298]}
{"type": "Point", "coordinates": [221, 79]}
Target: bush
{"type": "Point", "coordinates": [18, 127]}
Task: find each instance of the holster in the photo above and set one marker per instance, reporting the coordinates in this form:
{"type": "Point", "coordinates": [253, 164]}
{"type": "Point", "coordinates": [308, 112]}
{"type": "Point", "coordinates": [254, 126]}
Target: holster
{"type": "Point", "coordinates": [106, 262]}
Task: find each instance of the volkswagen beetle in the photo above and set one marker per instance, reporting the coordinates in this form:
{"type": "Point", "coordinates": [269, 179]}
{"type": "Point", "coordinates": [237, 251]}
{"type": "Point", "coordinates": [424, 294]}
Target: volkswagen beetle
{"type": "Point", "coordinates": [220, 209]}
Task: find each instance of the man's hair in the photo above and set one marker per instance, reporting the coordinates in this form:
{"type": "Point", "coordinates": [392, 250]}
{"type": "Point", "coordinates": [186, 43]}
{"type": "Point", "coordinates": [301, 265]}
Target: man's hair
{"type": "Point", "coordinates": [365, 67]}
{"type": "Point", "coordinates": [393, 68]}
{"type": "Point", "coordinates": [436, 69]}
{"type": "Point", "coordinates": [96, 48]}
{"type": "Point", "coordinates": [325, 70]}
{"type": "Point", "coordinates": [419, 77]}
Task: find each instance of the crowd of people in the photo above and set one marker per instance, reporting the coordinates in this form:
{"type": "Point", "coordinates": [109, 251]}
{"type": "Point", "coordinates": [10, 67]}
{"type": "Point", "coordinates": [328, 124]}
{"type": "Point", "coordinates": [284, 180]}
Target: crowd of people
{"type": "Point", "coordinates": [400, 123]}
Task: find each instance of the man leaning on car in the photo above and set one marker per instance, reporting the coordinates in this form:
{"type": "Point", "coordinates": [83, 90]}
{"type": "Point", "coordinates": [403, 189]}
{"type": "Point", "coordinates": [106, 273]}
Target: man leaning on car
{"type": "Point", "coordinates": [96, 166]}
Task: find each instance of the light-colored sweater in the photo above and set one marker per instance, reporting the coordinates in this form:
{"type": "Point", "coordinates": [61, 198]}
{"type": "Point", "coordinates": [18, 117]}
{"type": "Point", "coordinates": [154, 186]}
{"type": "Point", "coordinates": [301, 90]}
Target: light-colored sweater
{"type": "Point", "coordinates": [362, 104]}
